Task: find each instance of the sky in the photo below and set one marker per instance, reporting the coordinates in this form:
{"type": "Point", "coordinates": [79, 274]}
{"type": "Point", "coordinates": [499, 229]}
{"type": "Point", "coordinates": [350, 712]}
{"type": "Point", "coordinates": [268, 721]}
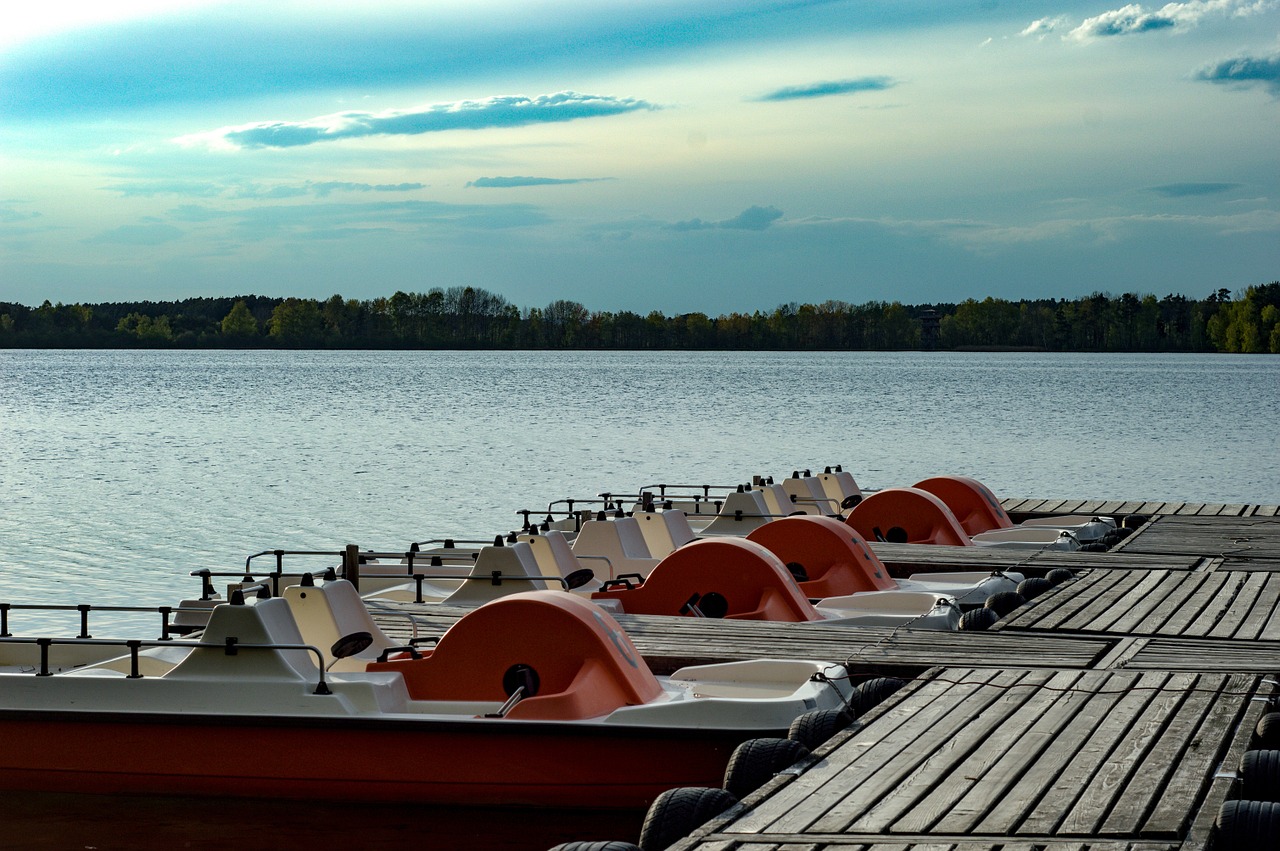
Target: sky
{"type": "Point", "coordinates": [701, 155]}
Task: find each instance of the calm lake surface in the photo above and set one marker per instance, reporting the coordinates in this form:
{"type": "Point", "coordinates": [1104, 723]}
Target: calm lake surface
{"type": "Point", "coordinates": [123, 471]}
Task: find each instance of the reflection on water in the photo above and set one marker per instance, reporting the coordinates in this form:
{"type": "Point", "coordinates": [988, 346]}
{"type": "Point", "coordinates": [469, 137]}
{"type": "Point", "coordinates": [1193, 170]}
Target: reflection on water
{"type": "Point", "coordinates": [60, 822]}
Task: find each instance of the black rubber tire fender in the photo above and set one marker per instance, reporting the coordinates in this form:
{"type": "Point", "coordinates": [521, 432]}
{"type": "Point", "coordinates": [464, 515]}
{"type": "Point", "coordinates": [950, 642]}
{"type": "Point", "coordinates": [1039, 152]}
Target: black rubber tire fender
{"type": "Point", "coordinates": [755, 761]}
{"type": "Point", "coordinates": [1260, 775]}
{"type": "Point", "coordinates": [676, 813]}
{"type": "Point", "coordinates": [1033, 587]}
{"type": "Point", "coordinates": [976, 620]}
{"type": "Point", "coordinates": [869, 693]}
{"type": "Point", "coordinates": [1059, 576]}
{"type": "Point", "coordinates": [1247, 826]}
{"type": "Point", "coordinates": [1267, 733]}
{"type": "Point", "coordinates": [814, 727]}
{"type": "Point", "coordinates": [1004, 602]}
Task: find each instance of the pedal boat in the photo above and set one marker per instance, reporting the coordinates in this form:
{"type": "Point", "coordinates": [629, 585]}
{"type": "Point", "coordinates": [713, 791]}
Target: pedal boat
{"type": "Point", "coordinates": [979, 512]}
{"type": "Point", "coordinates": [916, 516]}
{"type": "Point", "coordinates": [738, 579]}
{"type": "Point", "coordinates": [535, 699]}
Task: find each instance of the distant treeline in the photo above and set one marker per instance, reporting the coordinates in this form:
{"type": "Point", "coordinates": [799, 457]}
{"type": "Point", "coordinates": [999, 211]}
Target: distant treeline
{"type": "Point", "coordinates": [473, 318]}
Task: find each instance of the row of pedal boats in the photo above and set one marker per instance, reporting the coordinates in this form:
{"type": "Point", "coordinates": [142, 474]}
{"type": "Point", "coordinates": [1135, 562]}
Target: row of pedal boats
{"type": "Point", "coordinates": [535, 696]}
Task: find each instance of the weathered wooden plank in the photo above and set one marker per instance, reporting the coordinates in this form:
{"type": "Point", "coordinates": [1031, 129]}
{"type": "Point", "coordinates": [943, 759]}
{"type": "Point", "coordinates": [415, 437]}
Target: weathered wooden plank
{"type": "Point", "coordinates": [924, 783]}
{"type": "Point", "coordinates": [1070, 599]}
{"type": "Point", "coordinates": [1240, 608]}
{"type": "Point", "coordinates": [1188, 615]}
{"type": "Point", "coordinates": [1011, 751]}
{"type": "Point", "coordinates": [884, 757]}
{"type": "Point", "coordinates": [1155, 768]}
{"type": "Point", "coordinates": [1130, 507]}
{"type": "Point", "coordinates": [1174, 601]}
{"type": "Point", "coordinates": [1138, 602]}
{"type": "Point", "coordinates": [1265, 511]}
{"type": "Point", "coordinates": [1114, 774]}
{"type": "Point", "coordinates": [1223, 606]}
{"type": "Point", "coordinates": [926, 711]}
{"type": "Point", "coordinates": [1062, 794]}
{"type": "Point", "coordinates": [1204, 747]}
{"type": "Point", "coordinates": [1190, 508]}
{"type": "Point", "coordinates": [1266, 607]}
{"type": "Point", "coordinates": [1257, 694]}
{"type": "Point", "coordinates": [1100, 603]}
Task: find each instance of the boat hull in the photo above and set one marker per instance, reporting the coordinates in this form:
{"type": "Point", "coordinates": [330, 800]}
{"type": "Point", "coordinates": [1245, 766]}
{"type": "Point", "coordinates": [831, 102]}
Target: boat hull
{"type": "Point", "coordinates": [478, 762]}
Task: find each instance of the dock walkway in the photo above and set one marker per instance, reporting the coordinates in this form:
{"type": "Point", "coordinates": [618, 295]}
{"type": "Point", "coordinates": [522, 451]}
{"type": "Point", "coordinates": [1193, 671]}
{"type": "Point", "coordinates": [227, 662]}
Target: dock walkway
{"type": "Point", "coordinates": [1109, 713]}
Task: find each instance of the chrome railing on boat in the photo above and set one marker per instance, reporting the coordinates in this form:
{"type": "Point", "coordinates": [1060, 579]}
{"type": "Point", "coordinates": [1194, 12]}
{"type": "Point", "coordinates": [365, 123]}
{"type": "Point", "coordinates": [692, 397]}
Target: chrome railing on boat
{"type": "Point", "coordinates": [134, 645]}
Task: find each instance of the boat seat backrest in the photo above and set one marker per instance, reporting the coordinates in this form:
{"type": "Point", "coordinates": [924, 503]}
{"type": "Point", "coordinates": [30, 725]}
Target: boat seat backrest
{"type": "Point", "coordinates": [747, 581]}
{"type": "Point", "coordinates": [754, 513]}
{"type": "Point", "coordinates": [553, 553]}
{"type": "Point", "coordinates": [778, 501]}
{"type": "Point", "coordinates": [332, 610]}
{"type": "Point", "coordinates": [253, 622]}
{"type": "Point", "coordinates": [510, 562]}
{"type": "Point", "coordinates": [809, 495]}
{"type": "Point", "coordinates": [834, 557]}
{"type": "Point", "coordinates": [584, 665]}
{"type": "Point", "coordinates": [972, 502]}
{"type": "Point", "coordinates": [664, 531]}
{"type": "Point", "coordinates": [619, 539]}
{"type": "Point", "coordinates": [839, 486]}
{"type": "Point", "coordinates": [907, 515]}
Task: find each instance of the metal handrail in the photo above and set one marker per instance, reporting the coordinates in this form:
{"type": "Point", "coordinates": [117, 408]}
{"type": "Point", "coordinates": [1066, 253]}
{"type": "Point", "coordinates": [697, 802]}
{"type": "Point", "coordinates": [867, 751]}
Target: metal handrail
{"type": "Point", "coordinates": [84, 609]}
{"type": "Point", "coordinates": [231, 647]}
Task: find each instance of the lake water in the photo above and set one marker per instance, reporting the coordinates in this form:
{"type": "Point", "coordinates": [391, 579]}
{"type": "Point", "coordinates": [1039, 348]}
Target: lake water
{"type": "Point", "coordinates": [123, 471]}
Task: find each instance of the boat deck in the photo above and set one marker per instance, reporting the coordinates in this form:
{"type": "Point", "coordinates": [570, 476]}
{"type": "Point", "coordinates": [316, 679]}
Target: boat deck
{"type": "Point", "coordinates": [1109, 713]}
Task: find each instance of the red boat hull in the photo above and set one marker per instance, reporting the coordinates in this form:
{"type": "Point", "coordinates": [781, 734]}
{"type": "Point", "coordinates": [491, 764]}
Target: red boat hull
{"type": "Point", "coordinates": [478, 762]}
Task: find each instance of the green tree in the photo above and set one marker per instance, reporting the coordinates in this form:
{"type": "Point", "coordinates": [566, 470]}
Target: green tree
{"type": "Point", "coordinates": [296, 322]}
{"type": "Point", "coordinates": [239, 323]}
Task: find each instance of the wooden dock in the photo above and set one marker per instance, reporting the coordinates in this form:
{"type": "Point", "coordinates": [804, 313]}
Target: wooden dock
{"type": "Point", "coordinates": [1109, 713]}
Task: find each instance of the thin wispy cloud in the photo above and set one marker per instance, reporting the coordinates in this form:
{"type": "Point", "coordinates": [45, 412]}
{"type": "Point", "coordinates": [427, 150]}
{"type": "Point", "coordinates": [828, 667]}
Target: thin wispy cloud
{"type": "Point", "coordinates": [752, 218]}
{"type": "Point", "coordinates": [1245, 71]}
{"type": "Point", "coordinates": [1135, 19]}
{"type": "Point", "coordinates": [515, 182]}
{"type": "Point", "coordinates": [1185, 190]}
{"type": "Point", "coordinates": [828, 88]}
{"type": "Point", "coordinates": [506, 111]}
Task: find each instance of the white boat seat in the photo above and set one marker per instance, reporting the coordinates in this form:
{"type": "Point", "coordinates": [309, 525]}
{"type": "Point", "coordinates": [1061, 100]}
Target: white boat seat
{"type": "Point", "coordinates": [664, 531]}
{"type": "Point", "coordinates": [252, 622]}
{"type": "Point", "coordinates": [899, 609]}
{"type": "Point", "coordinates": [1022, 537]}
{"type": "Point", "coordinates": [969, 588]}
{"type": "Point", "coordinates": [510, 563]}
{"type": "Point", "coordinates": [754, 514]}
{"type": "Point", "coordinates": [329, 611]}
{"type": "Point", "coordinates": [806, 494]}
{"type": "Point", "coordinates": [554, 555]}
{"type": "Point", "coordinates": [620, 542]}
{"type": "Point", "coordinates": [840, 487]}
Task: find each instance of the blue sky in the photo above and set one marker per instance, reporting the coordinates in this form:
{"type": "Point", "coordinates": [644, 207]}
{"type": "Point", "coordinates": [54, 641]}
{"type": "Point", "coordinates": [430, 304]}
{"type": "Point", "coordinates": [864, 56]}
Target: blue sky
{"type": "Point", "coordinates": [702, 155]}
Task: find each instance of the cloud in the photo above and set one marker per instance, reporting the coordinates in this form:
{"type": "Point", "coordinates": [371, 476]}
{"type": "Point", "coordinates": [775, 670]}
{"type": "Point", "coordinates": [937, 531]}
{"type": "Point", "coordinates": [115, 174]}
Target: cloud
{"type": "Point", "coordinates": [833, 87]}
{"type": "Point", "coordinates": [1134, 19]}
{"type": "Point", "coordinates": [1042, 27]}
{"type": "Point", "coordinates": [1245, 71]}
{"type": "Point", "coordinates": [1183, 190]}
{"type": "Point", "coordinates": [506, 111]}
{"type": "Point", "coordinates": [149, 234]}
{"type": "Point", "coordinates": [752, 218]}
{"type": "Point", "coordinates": [512, 182]}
